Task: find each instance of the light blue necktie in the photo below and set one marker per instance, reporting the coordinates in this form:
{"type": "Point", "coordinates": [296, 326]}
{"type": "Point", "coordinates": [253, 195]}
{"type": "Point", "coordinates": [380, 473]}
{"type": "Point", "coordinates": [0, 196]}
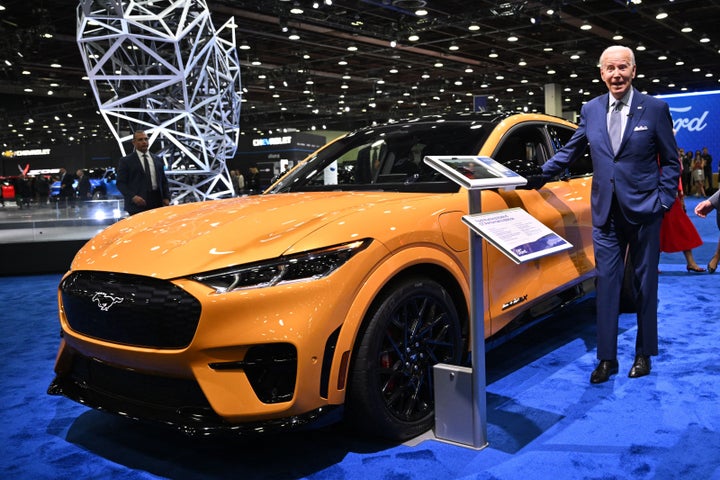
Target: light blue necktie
{"type": "Point", "coordinates": [615, 125]}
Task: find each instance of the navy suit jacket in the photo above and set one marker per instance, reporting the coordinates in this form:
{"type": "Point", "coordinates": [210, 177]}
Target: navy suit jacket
{"type": "Point", "coordinates": [645, 171]}
{"type": "Point", "coordinates": [131, 180]}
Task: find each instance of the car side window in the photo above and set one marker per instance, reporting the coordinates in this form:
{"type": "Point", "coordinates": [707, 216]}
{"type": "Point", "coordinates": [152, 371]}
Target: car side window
{"type": "Point", "coordinates": [559, 136]}
{"type": "Point", "coordinates": [526, 143]}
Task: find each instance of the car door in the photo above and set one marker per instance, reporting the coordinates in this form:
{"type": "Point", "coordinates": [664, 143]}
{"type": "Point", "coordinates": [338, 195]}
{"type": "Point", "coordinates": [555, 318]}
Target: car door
{"type": "Point", "coordinates": [562, 205]}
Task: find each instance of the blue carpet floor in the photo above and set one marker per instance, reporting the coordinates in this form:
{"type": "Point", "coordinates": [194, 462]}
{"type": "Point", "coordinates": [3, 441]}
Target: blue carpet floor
{"type": "Point", "coordinates": [545, 421]}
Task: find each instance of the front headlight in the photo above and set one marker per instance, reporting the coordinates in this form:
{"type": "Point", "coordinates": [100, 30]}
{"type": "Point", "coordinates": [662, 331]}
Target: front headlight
{"type": "Point", "coordinates": [294, 268]}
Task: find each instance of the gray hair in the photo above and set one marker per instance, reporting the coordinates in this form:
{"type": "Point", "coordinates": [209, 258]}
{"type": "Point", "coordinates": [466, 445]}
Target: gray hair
{"type": "Point", "coordinates": [629, 51]}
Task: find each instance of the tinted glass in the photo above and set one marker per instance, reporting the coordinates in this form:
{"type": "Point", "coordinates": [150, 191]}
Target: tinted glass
{"type": "Point", "coordinates": [387, 158]}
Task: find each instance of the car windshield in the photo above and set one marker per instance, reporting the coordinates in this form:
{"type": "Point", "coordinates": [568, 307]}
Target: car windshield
{"type": "Point", "coordinates": [389, 157]}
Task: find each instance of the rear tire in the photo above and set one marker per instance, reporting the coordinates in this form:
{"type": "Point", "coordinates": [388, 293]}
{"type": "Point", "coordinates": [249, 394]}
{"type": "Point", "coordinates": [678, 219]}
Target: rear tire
{"type": "Point", "coordinates": [390, 392]}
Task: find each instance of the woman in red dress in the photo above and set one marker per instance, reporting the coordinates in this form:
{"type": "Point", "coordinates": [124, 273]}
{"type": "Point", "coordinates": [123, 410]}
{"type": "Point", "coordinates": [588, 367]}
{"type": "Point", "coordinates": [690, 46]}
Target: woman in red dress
{"type": "Point", "coordinates": [678, 234]}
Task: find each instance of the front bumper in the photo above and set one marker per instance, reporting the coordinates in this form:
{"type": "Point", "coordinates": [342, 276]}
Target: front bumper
{"type": "Point", "coordinates": [171, 402]}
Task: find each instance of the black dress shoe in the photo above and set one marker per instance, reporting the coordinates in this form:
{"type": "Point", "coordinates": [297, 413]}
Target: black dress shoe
{"type": "Point", "coordinates": [603, 371]}
{"type": "Point", "coordinates": [641, 366]}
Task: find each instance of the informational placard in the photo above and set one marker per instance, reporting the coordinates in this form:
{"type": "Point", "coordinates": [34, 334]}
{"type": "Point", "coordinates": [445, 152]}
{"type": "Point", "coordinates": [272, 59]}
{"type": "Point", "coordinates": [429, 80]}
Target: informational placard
{"type": "Point", "coordinates": [474, 172]}
{"type": "Point", "coordinates": [517, 234]}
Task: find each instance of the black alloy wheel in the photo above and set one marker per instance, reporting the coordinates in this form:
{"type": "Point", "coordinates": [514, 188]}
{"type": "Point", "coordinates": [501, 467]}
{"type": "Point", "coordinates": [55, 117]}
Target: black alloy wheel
{"type": "Point", "coordinates": [415, 326]}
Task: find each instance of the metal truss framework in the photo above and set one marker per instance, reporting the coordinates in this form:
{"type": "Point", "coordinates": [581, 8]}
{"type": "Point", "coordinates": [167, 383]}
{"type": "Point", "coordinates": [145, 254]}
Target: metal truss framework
{"type": "Point", "coordinates": [161, 66]}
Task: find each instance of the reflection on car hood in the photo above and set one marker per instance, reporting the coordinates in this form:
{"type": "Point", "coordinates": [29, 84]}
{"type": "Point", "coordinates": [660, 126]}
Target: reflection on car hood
{"type": "Point", "coordinates": [191, 238]}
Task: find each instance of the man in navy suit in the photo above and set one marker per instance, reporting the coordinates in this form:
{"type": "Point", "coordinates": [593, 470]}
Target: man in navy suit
{"type": "Point", "coordinates": [634, 184]}
{"type": "Point", "coordinates": [141, 178]}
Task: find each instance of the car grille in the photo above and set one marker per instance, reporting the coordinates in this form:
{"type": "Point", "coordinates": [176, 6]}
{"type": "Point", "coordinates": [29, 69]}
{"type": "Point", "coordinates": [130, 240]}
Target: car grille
{"type": "Point", "coordinates": [129, 309]}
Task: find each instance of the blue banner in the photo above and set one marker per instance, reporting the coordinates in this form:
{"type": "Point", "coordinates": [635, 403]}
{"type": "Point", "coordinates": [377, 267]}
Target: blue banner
{"type": "Point", "coordinates": [696, 118]}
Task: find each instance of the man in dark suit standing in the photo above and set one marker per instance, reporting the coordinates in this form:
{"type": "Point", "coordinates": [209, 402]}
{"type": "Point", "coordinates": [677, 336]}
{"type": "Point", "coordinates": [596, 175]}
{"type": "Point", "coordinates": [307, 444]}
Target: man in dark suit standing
{"type": "Point", "coordinates": [67, 191]}
{"type": "Point", "coordinates": [141, 178]}
{"type": "Point", "coordinates": [635, 181]}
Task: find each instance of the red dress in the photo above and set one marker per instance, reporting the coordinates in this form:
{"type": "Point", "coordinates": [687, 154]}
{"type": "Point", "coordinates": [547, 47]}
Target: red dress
{"type": "Point", "coordinates": [677, 232]}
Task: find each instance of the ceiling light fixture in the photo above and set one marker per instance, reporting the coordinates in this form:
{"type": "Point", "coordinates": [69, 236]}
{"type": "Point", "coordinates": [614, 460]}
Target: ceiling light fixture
{"type": "Point", "coordinates": [704, 39]}
{"type": "Point", "coordinates": [493, 54]}
{"type": "Point", "coordinates": [661, 15]}
{"type": "Point", "coordinates": [421, 12]}
{"type": "Point", "coordinates": [585, 26]}
{"type": "Point", "coordinates": [473, 27]}
{"type": "Point", "coordinates": [454, 47]}
{"type": "Point", "coordinates": [512, 38]}
{"type": "Point", "coordinates": [686, 28]}
{"type": "Point", "coordinates": [296, 9]}
{"type": "Point", "coordinates": [617, 37]}
{"type": "Point", "coordinates": [413, 37]}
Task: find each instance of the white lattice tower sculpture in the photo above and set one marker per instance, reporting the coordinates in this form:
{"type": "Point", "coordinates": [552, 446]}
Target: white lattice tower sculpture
{"type": "Point", "coordinates": [161, 66]}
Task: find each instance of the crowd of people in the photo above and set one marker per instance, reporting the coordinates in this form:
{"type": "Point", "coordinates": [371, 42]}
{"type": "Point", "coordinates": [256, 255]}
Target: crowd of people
{"type": "Point", "coordinates": [697, 174]}
{"type": "Point", "coordinates": [35, 190]}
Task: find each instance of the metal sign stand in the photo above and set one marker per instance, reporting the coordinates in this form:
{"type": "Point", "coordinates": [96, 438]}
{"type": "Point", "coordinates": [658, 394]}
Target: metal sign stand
{"type": "Point", "coordinates": [460, 391]}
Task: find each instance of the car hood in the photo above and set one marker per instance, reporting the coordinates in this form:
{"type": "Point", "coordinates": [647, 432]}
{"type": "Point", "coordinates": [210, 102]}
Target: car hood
{"type": "Point", "coordinates": [192, 238]}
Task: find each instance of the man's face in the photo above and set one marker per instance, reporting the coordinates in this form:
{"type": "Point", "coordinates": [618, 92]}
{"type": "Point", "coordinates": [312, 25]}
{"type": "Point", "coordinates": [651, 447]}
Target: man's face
{"type": "Point", "coordinates": [140, 142]}
{"type": "Point", "coordinates": [617, 71]}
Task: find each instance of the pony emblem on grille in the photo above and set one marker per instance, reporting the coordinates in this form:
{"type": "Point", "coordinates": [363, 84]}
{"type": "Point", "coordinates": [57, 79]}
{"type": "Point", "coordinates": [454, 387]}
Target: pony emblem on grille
{"type": "Point", "coordinates": [104, 301]}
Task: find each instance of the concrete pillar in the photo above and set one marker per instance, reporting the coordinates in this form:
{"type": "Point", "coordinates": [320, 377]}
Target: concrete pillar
{"type": "Point", "coordinates": [553, 99]}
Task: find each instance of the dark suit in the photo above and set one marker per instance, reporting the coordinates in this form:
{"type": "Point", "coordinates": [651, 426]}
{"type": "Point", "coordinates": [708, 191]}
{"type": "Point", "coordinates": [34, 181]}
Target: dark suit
{"type": "Point", "coordinates": [132, 180]}
{"type": "Point", "coordinates": [631, 191]}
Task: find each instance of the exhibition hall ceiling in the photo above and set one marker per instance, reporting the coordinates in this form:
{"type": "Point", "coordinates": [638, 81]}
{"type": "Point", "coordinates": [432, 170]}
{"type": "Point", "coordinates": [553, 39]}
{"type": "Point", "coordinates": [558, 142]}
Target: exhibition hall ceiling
{"type": "Point", "coordinates": [338, 64]}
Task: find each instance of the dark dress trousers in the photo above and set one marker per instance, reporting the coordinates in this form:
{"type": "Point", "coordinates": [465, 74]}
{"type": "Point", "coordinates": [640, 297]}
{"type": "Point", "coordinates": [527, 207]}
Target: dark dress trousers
{"type": "Point", "coordinates": [132, 179]}
{"type": "Point", "coordinates": [631, 191]}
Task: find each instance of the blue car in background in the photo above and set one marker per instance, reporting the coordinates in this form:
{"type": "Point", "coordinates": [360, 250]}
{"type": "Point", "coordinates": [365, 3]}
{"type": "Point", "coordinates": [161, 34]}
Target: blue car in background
{"type": "Point", "coordinates": [102, 184]}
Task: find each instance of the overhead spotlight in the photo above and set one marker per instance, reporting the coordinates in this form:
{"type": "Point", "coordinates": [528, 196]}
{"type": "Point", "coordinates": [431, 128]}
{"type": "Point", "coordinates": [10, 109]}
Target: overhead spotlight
{"type": "Point", "coordinates": [522, 62]}
{"type": "Point", "coordinates": [617, 37]}
{"type": "Point", "coordinates": [316, 5]}
{"type": "Point", "coordinates": [512, 38]}
{"type": "Point", "coordinates": [352, 48]}
{"type": "Point", "coordinates": [473, 27]}
{"type": "Point", "coordinates": [421, 12]}
{"type": "Point", "coordinates": [294, 36]}
{"type": "Point", "coordinates": [413, 37]}
{"type": "Point", "coordinates": [641, 47]}
{"type": "Point", "coordinates": [686, 28]}
{"type": "Point", "coordinates": [585, 26]}
{"type": "Point", "coordinates": [453, 47]}
{"type": "Point", "coordinates": [661, 15]}
{"type": "Point", "coordinates": [493, 54]}
{"type": "Point", "coordinates": [328, 2]}
{"type": "Point", "coordinates": [704, 39]}
{"type": "Point", "coordinates": [296, 9]}
{"type": "Point", "coordinates": [393, 43]}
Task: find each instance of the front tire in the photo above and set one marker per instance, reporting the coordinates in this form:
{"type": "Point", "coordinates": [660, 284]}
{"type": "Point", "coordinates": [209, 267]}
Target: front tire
{"type": "Point", "coordinates": [414, 326]}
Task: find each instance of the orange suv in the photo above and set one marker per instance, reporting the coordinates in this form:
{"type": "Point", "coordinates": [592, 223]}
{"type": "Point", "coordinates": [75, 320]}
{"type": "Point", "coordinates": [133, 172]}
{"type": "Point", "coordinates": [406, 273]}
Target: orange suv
{"type": "Point", "coordinates": [329, 296]}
